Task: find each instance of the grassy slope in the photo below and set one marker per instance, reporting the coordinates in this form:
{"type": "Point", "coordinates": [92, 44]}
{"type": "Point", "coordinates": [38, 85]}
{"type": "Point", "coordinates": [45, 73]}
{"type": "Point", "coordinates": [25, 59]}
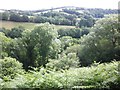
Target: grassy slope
{"type": "Point", "coordinates": [10, 24]}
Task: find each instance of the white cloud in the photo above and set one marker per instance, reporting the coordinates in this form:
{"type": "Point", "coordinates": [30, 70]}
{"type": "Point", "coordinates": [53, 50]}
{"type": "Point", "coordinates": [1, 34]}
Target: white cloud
{"type": "Point", "coordinates": [40, 4]}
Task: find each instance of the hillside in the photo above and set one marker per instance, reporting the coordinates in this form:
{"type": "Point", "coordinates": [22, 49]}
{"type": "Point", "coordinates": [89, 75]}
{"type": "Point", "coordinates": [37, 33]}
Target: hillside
{"type": "Point", "coordinates": [70, 15]}
{"type": "Point", "coordinates": [64, 48]}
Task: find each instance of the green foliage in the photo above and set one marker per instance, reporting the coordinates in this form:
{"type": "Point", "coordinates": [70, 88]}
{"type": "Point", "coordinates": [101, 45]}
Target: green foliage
{"type": "Point", "coordinates": [41, 39]}
{"type": "Point", "coordinates": [64, 62]}
{"type": "Point", "coordinates": [36, 46]}
{"type": "Point", "coordinates": [86, 21]}
{"type": "Point", "coordinates": [73, 49]}
{"type": "Point", "coordinates": [58, 18]}
{"type": "Point", "coordinates": [24, 18]}
{"type": "Point", "coordinates": [66, 41]}
{"type": "Point", "coordinates": [65, 16]}
{"type": "Point", "coordinates": [4, 43]}
{"type": "Point", "coordinates": [97, 77]}
{"type": "Point", "coordinates": [16, 32]}
{"type": "Point", "coordinates": [5, 16]}
{"type": "Point", "coordinates": [18, 18]}
{"type": "Point", "coordinates": [102, 44]}
{"type": "Point", "coordinates": [5, 31]}
{"type": "Point", "coordinates": [40, 19]}
{"type": "Point", "coordinates": [71, 11]}
{"type": "Point", "coordinates": [15, 17]}
{"type": "Point", "coordinates": [55, 49]}
{"type": "Point", "coordinates": [73, 32]}
{"type": "Point", "coordinates": [9, 68]}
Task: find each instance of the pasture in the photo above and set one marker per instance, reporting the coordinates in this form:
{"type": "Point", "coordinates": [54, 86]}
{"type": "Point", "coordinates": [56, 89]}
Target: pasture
{"type": "Point", "coordinates": [26, 25]}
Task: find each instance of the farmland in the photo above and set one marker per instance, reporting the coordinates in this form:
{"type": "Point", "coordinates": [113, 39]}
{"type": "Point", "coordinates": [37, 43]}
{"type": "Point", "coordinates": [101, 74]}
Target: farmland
{"type": "Point", "coordinates": [26, 25]}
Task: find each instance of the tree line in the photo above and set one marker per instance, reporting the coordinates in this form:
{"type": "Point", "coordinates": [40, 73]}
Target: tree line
{"type": "Point", "coordinates": [72, 17]}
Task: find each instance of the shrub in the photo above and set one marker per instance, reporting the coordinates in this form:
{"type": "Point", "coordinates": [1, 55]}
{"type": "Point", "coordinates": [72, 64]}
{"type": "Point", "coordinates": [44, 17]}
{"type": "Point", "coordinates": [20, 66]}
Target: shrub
{"type": "Point", "coordinates": [97, 77]}
{"type": "Point", "coordinates": [9, 68]}
{"type": "Point", "coordinates": [64, 62]}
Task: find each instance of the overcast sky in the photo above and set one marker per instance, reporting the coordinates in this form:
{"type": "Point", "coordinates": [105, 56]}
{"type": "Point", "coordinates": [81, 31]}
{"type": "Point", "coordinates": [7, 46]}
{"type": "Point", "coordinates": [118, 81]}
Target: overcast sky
{"type": "Point", "coordinates": [43, 4]}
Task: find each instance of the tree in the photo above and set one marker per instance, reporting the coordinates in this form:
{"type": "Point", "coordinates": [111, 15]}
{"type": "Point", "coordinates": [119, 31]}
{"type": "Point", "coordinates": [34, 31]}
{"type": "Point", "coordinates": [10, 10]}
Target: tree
{"type": "Point", "coordinates": [41, 39]}
{"type": "Point", "coordinates": [86, 21]}
{"type": "Point", "coordinates": [71, 11]}
{"type": "Point", "coordinates": [24, 18]}
{"type": "Point", "coordinates": [5, 16]}
{"type": "Point", "coordinates": [73, 32]}
{"type": "Point", "coordinates": [109, 33]}
{"type": "Point", "coordinates": [34, 46]}
{"type": "Point", "coordinates": [16, 32]}
{"type": "Point", "coordinates": [103, 43]}
{"type": "Point", "coordinates": [15, 17]}
{"type": "Point", "coordinates": [40, 19]}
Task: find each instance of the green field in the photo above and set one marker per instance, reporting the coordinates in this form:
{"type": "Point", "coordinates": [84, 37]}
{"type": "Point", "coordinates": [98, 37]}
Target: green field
{"type": "Point", "coordinates": [10, 24]}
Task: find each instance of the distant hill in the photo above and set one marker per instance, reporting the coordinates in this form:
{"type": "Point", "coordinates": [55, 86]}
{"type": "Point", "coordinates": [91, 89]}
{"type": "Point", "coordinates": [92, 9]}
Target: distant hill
{"type": "Point", "coordinates": [66, 15]}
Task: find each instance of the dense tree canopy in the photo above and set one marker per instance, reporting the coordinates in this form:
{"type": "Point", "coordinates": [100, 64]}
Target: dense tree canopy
{"type": "Point", "coordinates": [103, 43]}
{"type": "Point", "coordinates": [35, 46]}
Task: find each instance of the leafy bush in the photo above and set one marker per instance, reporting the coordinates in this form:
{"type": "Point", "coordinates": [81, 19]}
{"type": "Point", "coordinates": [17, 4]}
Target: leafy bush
{"type": "Point", "coordinates": [96, 77]}
{"type": "Point", "coordinates": [9, 68]}
{"type": "Point", "coordinates": [64, 62]}
{"type": "Point", "coordinates": [73, 49]}
{"type": "Point", "coordinates": [4, 43]}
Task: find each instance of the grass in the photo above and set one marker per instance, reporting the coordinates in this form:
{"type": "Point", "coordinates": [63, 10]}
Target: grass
{"type": "Point", "coordinates": [26, 25]}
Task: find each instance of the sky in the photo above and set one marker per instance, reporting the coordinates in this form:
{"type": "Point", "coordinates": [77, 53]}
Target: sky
{"type": "Point", "coordinates": [45, 4]}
